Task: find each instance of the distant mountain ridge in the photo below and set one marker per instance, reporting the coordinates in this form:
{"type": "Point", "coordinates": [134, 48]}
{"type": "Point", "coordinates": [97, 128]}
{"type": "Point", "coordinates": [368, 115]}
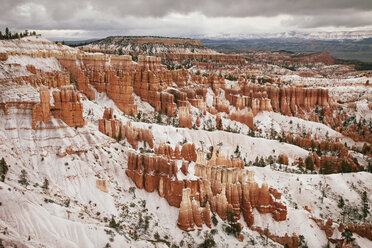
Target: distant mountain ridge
{"type": "Point", "coordinates": [339, 35]}
{"type": "Point", "coordinates": [149, 45]}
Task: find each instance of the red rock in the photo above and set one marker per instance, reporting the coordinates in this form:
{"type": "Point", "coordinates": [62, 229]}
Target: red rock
{"type": "Point", "coordinates": [243, 116]}
{"type": "Point", "coordinates": [185, 117]}
{"type": "Point", "coordinates": [221, 204]}
{"type": "Point", "coordinates": [207, 215]}
{"type": "Point", "coordinates": [119, 89]}
{"type": "Point", "coordinates": [188, 152]}
{"type": "Point", "coordinates": [81, 80]}
{"type": "Point", "coordinates": [103, 185]}
{"type": "Point", "coordinates": [185, 216]}
{"type": "Point", "coordinates": [283, 159]}
{"type": "Point", "coordinates": [67, 107]}
{"type": "Point", "coordinates": [3, 56]}
{"type": "Point", "coordinates": [247, 208]}
{"type": "Point", "coordinates": [41, 111]}
{"type": "Point", "coordinates": [197, 213]}
{"type": "Point", "coordinates": [219, 124]}
{"type": "Point", "coordinates": [198, 121]}
{"type": "Point", "coordinates": [363, 230]}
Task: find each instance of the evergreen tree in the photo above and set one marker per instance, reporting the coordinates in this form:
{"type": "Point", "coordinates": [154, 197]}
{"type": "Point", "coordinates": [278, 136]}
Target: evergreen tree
{"type": "Point", "coordinates": [345, 167]}
{"type": "Point", "coordinates": [119, 136]}
{"type": "Point", "coordinates": [45, 184]}
{"type": "Point", "coordinates": [208, 241]}
{"type": "Point", "coordinates": [23, 178]}
{"type": "Point", "coordinates": [341, 202]}
{"type": "Point", "coordinates": [237, 152]}
{"type": "Point", "coordinates": [262, 162]}
{"type": "Point", "coordinates": [303, 243]}
{"type": "Point", "coordinates": [365, 209]}
{"type": "Point", "coordinates": [309, 163]}
{"type": "Point", "coordinates": [347, 235]}
{"type": "Point", "coordinates": [328, 168]}
{"type": "Point", "coordinates": [233, 228]}
{"type": "Point", "coordinates": [113, 223]}
{"type": "Point", "coordinates": [3, 169]}
{"type": "Point", "coordinates": [158, 117]}
{"type": "Point", "coordinates": [7, 33]}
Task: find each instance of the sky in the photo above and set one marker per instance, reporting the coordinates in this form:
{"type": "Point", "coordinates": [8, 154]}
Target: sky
{"type": "Point", "coordinates": [85, 19]}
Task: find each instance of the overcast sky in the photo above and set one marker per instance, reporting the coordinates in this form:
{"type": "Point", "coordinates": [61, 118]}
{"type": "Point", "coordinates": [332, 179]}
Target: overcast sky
{"type": "Point", "coordinates": [80, 19]}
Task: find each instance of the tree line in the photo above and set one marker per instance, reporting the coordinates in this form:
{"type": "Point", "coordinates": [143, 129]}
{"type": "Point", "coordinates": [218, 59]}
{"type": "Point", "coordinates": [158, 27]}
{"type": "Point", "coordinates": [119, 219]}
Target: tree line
{"type": "Point", "coordinates": [7, 35]}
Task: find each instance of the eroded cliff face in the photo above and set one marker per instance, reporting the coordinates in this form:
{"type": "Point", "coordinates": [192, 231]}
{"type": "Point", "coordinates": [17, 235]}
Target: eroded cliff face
{"type": "Point", "coordinates": [173, 91]}
{"type": "Point", "coordinates": [200, 187]}
{"type": "Point", "coordinates": [114, 128]}
{"type": "Point", "coordinates": [67, 107]}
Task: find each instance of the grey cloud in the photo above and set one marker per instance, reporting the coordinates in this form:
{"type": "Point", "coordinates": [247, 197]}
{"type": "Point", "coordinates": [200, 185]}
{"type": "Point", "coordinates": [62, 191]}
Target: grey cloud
{"type": "Point", "coordinates": [344, 18]}
{"type": "Point", "coordinates": [116, 15]}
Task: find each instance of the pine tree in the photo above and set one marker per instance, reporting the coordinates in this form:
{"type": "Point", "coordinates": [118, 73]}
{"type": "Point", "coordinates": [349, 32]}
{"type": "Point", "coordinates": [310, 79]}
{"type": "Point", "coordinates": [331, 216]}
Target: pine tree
{"type": "Point", "coordinates": [23, 178]}
{"type": "Point", "coordinates": [113, 223]}
{"type": "Point", "coordinates": [341, 202]}
{"type": "Point", "coordinates": [7, 33]}
{"type": "Point", "coordinates": [365, 209]}
{"type": "Point", "coordinates": [234, 227]}
{"type": "Point", "coordinates": [347, 235]}
{"type": "Point", "coordinates": [45, 184]}
{"type": "Point", "coordinates": [328, 168]}
{"type": "Point", "coordinates": [303, 243]}
{"type": "Point", "coordinates": [237, 152]}
{"type": "Point", "coordinates": [309, 163]}
{"type": "Point", "coordinates": [119, 136]}
{"type": "Point", "coordinates": [345, 167]}
{"type": "Point", "coordinates": [3, 169]}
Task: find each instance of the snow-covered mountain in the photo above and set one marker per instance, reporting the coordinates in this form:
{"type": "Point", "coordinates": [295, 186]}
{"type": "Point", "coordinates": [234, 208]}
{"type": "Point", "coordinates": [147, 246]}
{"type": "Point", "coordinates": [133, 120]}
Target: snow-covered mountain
{"type": "Point", "coordinates": [337, 35]}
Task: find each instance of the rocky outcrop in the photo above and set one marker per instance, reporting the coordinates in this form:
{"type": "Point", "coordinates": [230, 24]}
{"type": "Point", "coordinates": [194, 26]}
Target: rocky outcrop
{"type": "Point", "coordinates": [110, 75]}
{"type": "Point", "coordinates": [220, 185]}
{"type": "Point", "coordinates": [120, 90]}
{"type": "Point", "coordinates": [243, 116]}
{"type": "Point", "coordinates": [185, 117]}
{"type": "Point", "coordinates": [219, 124]}
{"type": "Point", "coordinates": [156, 172]}
{"type": "Point", "coordinates": [283, 159]}
{"type": "Point", "coordinates": [146, 63]}
{"type": "Point", "coordinates": [185, 216]}
{"type": "Point", "coordinates": [115, 129]}
{"type": "Point", "coordinates": [363, 230]}
{"type": "Point", "coordinates": [288, 241]}
{"type": "Point", "coordinates": [82, 82]}
{"type": "Point", "coordinates": [67, 107]}
{"type": "Point", "coordinates": [52, 79]}
{"type": "Point", "coordinates": [3, 56]}
{"type": "Point", "coordinates": [262, 200]}
{"type": "Point", "coordinates": [287, 100]}
{"type": "Point", "coordinates": [103, 185]}
{"type": "Point", "coordinates": [41, 111]}
{"type": "Point", "coordinates": [188, 152]}
{"type": "Point", "coordinates": [199, 58]}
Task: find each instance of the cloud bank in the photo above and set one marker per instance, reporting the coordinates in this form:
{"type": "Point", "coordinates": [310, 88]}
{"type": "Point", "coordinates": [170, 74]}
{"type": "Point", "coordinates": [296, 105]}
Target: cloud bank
{"type": "Point", "coordinates": [99, 18]}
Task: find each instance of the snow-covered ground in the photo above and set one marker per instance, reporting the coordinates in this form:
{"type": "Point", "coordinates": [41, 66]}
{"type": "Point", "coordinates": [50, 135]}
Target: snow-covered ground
{"type": "Point", "coordinates": [73, 212]}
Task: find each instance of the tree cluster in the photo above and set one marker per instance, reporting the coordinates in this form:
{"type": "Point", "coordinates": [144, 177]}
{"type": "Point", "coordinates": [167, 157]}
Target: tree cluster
{"type": "Point", "coordinates": [9, 35]}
